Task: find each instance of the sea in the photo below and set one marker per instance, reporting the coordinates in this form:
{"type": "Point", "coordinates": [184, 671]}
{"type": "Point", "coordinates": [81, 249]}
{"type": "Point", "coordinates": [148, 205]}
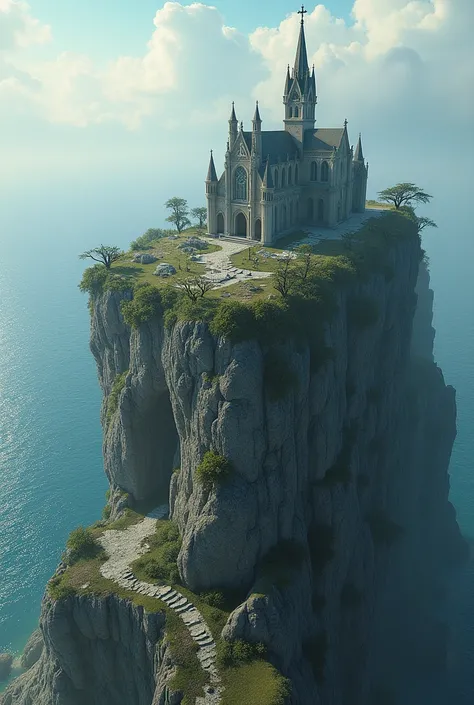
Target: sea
{"type": "Point", "coordinates": [51, 472]}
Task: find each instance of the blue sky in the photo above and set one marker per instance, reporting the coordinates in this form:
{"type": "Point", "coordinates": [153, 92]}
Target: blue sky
{"type": "Point", "coordinates": [143, 87]}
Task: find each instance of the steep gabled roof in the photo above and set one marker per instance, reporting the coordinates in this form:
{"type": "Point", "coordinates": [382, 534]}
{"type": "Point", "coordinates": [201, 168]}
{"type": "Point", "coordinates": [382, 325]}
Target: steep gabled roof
{"type": "Point", "coordinates": [211, 173]}
{"type": "Point", "coordinates": [324, 139]}
{"type": "Point", "coordinates": [275, 143]}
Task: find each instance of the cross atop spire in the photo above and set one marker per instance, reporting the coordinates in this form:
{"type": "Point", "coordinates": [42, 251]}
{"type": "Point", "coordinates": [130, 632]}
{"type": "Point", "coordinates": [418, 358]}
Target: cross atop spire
{"type": "Point", "coordinates": [301, 68]}
{"type": "Point", "coordinates": [302, 12]}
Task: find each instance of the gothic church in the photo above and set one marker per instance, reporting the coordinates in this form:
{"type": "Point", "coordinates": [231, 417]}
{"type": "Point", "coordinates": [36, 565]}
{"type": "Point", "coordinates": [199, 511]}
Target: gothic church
{"type": "Point", "coordinates": [276, 181]}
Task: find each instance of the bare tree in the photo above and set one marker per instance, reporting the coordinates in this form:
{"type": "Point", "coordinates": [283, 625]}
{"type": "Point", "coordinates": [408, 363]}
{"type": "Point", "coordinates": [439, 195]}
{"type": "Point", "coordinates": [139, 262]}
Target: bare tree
{"type": "Point", "coordinates": [304, 253]}
{"type": "Point", "coordinates": [284, 278]}
{"type": "Point", "coordinates": [105, 254]}
{"type": "Point", "coordinates": [424, 222]}
{"type": "Point", "coordinates": [195, 287]}
{"type": "Point", "coordinates": [404, 194]}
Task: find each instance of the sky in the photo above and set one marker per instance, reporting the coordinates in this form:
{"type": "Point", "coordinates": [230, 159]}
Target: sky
{"type": "Point", "coordinates": [104, 87]}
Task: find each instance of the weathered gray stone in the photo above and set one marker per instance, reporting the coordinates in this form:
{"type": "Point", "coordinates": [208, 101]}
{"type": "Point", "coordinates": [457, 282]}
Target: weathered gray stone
{"type": "Point", "coordinates": [33, 649]}
{"type": "Point", "coordinates": [165, 270]}
{"type": "Point", "coordinates": [6, 661]}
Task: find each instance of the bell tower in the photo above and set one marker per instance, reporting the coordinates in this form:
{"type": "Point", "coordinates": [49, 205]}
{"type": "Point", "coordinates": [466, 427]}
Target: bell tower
{"type": "Point", "coordinates": [299, 96]}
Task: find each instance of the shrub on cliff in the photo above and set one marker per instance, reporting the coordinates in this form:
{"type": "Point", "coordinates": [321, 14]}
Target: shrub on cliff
{"type": "Point", "coordinates": [112, 401]}
{"type": "Point", "coordinates": [93, 279]}
{"type": "Point", "coordinates": [80, 545]}
{"type": "Point", "coordinates": [213, 470]}
{"type": "Point", "coordinates": [238, 652]}
{"type": "Point", "coordinates": [145, 305]}
{"type": "Point", "coordinates": [160, 561]}
{"type": "Point", "coordinates": [144, 241]}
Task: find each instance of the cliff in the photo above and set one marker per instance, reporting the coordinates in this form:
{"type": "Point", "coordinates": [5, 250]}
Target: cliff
{"type": "Point", "coordinates": [333, 525]}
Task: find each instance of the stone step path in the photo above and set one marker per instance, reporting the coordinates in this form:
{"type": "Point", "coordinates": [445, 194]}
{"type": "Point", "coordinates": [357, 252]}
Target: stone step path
{"type": "Point", "coordinates": [124, 547]}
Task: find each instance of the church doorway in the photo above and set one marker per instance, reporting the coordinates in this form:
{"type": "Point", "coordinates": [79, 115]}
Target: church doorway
{"type": "Point", "coordinates": [241, 225]}
{"type": "Point", "coordinates": [310, 210]}
{"type": "Point", "coordinates": [220, 224]}
{"type": "Point", "coordinates": [321, 210]}
{"type": "Point", "coordinates": [258, 229]}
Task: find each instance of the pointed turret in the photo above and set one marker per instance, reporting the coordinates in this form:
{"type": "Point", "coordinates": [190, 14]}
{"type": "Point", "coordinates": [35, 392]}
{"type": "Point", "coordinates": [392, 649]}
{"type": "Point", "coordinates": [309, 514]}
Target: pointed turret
{"type": "Point", "coordinates": [358, 154]}
{"type": "Point", "coordinates": [287, 82]}
{"type": "Point", "coordinates": [267, 176]}
{"type": "Point", "coordinates": [301, 68]}
{"type": "Point", "coordinates": [211, 172]}
{"type": "Point", "coordinates": [233, 124]}
{"type": "Point", "coordinates": [256, 117]}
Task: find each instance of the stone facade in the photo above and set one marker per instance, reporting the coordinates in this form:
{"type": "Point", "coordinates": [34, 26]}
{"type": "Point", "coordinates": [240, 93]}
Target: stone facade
{"type": "Point", "coordinates": [275, 181]}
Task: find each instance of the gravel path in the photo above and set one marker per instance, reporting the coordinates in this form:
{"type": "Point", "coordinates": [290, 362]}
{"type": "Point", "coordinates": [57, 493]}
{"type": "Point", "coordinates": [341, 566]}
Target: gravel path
{"type": "Point", "coordinates": [219, 268]}
{"type": "Point", "coordinates": [124, 547]}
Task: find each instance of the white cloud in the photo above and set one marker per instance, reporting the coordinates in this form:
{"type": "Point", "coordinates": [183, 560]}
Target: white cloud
{"type": "Point", "coordinates": [399, 62]}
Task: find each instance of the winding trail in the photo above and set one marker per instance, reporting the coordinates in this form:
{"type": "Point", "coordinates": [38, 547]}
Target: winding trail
{"type": "Point", "coordinates": [124, 547]}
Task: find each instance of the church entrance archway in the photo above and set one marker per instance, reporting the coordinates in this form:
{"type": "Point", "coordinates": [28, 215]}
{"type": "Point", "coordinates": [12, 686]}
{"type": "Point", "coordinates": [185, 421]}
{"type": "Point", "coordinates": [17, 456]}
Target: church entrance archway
{"type": "Point", "coordinates": [220, 224]}
{"type": "Point", "coordinates": [241, 225]}
{"type": "Point", "coordinates": [321, 210]}
{"type": "Point", "coordinates": [258, 229]}
{"type": "Point", "coordinates": [310, 210]}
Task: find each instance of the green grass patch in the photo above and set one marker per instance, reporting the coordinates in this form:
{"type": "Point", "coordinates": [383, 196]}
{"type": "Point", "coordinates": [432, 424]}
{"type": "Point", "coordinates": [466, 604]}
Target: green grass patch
{"type": "Point", "coordinates": [213, 470]}
{"type": "Point", "coordinates": [255, 682]}
{"type": "Point", "coordinates": [190, 678]}
{"type": "Point", "coordinates": [82, 545]}
{"type": "Point", "coordinates": [278, 377]}
{"type": "Point", "coordinates": [238, 652]}
{"type": "Point", "coordinates": [159, 563]}
{"type": "Point", "coordinates": [384, 531]}
{"type": "Point", "coordinates": [112, 401]}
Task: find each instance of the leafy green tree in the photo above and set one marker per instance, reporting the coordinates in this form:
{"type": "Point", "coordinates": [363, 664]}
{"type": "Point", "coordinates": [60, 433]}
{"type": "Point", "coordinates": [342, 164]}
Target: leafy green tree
{"type": "Point", "coordinates": [424, 222]}
{"type": "Point", "coordinates": [200, 214]}
{"type": "Point", "coordinates": [404, 194]}
{"type": "Point", "coordinates": [144, 240]}
{"type": "Point", "coordinates": [105, 254]}
{"type": "Point", "coordinates": [179, 213]}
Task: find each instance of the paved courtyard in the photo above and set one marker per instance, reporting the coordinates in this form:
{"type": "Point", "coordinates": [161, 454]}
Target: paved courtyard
{"type": "Point", "coordinates": [220, 270]}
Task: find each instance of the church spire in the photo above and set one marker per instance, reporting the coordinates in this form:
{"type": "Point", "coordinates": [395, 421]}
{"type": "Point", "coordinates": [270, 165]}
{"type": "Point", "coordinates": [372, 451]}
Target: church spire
{"type": "Point", "coordinates": [256, 117]}
{"type": "Point", "coordinates": [301, 68]}
{"type": "Point", "coordinates": [358, 154]}
{"type": "Point", "coordinates": [267, 176]}
{"type": "Point", "coordinates": [232, 127]}
{"type": "Point", "coordinates": [211, 173]}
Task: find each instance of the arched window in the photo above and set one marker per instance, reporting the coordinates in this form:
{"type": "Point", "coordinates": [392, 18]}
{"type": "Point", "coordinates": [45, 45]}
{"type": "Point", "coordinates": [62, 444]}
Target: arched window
{"type": "Point", "coordinates": [240, 184]}
{"type": "Point", "coordinates": [296, 174]}
{"type": "Point", "coordinates": [283, 178]}
{"type": "Point", "coordinates": [275, 178]}
{"type": "Point", "coordinates": [289, 175]}
{"type": "Point", "coordinates": [314, 171]}
{"type": "Point", "coordinates": [296, 112]}
{"type": "Point", "coordinates": [325, 172]}
{"type": "Point", "coordinates": [291, 112]}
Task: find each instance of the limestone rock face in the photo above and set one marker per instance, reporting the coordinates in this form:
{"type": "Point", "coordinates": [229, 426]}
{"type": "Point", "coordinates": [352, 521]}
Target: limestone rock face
{"type": "Point", "coordinates": [97, 651]}
{"type": "Point", "coordinates": [334, 525]}
{"type": "Point", "coordinates": [33, 649]}
{"type": "Point", "coordinates": [6, 661]}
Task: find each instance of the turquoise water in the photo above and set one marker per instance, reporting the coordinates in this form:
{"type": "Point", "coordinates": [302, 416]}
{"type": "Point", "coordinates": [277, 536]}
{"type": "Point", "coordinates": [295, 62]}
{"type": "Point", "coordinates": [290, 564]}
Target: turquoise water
{"type": "Point", "coordinates": [51, 476]}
